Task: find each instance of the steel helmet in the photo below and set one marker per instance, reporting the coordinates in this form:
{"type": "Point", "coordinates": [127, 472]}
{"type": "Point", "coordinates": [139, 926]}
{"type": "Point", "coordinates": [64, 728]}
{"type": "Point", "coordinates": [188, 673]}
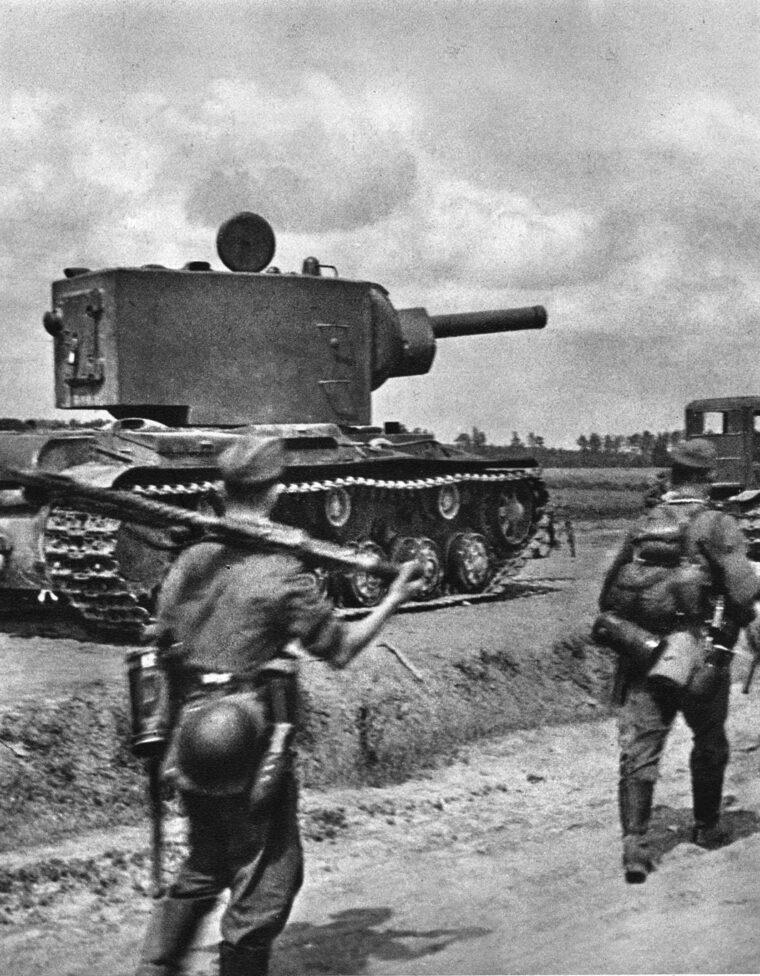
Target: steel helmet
{"type": "Point", "coordinates": [218, 746]}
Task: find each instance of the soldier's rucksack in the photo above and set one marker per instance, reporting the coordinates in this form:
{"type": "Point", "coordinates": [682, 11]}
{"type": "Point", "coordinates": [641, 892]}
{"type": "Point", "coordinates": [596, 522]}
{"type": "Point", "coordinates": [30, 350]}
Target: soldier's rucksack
{"type": "Point", "coordinates": [659, 536]}
{"type": "Point", "coordinates": [665, 582]}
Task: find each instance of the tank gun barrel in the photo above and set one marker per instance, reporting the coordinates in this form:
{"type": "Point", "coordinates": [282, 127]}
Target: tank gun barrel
{"type": "Point", "coordinates": [420, 332]}
{"type": "Point", "coordinates": [479, 323]}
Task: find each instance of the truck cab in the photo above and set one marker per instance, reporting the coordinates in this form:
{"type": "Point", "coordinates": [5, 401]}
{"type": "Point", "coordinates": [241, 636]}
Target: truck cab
{"type": "Point", "coordinates": [732, 424]}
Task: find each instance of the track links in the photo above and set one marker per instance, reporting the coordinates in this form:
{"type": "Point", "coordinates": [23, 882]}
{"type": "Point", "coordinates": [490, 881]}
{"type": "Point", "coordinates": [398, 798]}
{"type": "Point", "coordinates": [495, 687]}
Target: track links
{"type": "Point", "coordinates": [80, 552]}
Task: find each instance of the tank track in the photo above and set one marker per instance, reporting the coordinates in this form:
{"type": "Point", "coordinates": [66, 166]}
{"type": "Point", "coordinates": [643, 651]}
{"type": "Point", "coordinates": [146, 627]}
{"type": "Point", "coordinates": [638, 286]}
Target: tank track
{"type": "Point", "coordinates": [80, 555]}
{"type": "Point", "coordinates": [80, 551]}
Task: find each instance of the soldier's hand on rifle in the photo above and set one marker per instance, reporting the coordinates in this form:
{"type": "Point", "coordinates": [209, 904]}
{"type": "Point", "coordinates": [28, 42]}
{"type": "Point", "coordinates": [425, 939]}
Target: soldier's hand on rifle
{"type": "Point", "coordinates": [356, 636]}
{"type": "Point", "coordinates": [407, 585]}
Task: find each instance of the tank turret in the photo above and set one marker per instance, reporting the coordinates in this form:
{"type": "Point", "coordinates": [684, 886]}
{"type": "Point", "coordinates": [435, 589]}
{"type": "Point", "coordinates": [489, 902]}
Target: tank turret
{"type": "Point", "coordinates": [186, 360]}
{"type": "Point", "coordinates": [202, 347]}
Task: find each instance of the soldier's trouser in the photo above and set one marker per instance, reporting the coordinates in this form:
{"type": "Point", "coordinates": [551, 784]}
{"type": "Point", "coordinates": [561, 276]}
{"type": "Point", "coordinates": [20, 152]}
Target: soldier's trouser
{"type": "Point", "coordinates": [645, 720]}
{"type": "Point", "coordinates": [259, 859]}
{"type": "Point", "coordinates": [171, 930]}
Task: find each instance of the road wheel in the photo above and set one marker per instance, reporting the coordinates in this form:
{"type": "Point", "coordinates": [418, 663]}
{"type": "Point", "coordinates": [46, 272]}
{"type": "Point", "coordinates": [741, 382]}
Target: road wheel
{"type": "Point", "coordinates": [470, 565]}
{"type": "Point", "coordinates": [507, 517]}
{"type": "Point", "coordinates": [361, 589]}
{"type": "Point", "coordinates": [427, 554]}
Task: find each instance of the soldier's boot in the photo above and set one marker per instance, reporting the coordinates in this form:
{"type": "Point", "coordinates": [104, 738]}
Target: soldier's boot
{"type": "Point", "coordinates": [242, 960]}
{"type": "Point", "coordinates": [635, 802]}
{"type": "Point", "coordinates": [172, 927]}
{"type": "Point", "coordinates": [707, 793]}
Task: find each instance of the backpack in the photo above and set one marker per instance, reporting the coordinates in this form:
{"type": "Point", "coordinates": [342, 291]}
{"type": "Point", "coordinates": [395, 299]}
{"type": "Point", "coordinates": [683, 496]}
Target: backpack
{"type": "Point", "coordinates": [659, 536]}
{"type": "Point", "coordinates": [665, 583]}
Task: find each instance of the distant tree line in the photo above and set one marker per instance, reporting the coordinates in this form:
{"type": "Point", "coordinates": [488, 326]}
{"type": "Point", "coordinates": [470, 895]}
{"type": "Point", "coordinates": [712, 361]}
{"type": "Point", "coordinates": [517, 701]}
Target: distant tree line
{"type": "Point", "coordinates": [641, 449]}
{"type": "Point", "coordinates": [652, 447]}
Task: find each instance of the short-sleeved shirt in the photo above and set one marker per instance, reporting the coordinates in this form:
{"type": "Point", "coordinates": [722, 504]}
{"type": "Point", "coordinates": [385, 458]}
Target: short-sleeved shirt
{"type": "Point", "coordinates": [233, 611]}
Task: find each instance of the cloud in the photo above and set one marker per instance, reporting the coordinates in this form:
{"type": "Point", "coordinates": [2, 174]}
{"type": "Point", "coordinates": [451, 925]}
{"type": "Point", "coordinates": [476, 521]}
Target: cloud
{"type": "Point", "coordinates": [317, 160]}
{"type": "Point", "coordinates": [600, 160]}
{"type": "Point", "coordinates": [457, 237]}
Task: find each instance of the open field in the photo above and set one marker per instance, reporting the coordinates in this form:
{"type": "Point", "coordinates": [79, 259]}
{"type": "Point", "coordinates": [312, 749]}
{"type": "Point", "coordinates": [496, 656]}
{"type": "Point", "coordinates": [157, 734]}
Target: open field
{"type": "Point", "coordinates": [598, 493]}
{"type": "Point", "coordinates": [613, 479]}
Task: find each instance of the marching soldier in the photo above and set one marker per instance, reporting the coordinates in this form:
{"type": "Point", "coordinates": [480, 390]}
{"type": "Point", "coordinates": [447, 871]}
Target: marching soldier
{"type": "Point", "coordinates": [225, 618]}
{"type": "Point", "coordinates": [570, 536]}
{"type": "Point", "coordinates": [680, 565]}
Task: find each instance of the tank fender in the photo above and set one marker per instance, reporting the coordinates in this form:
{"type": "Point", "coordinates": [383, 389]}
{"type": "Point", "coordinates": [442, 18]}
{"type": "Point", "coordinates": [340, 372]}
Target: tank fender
{"type": "Point", "coordinates": [63, 451]}
{"type": "Point", "coordinates": [98, 475]}
{"type": "Point", "coordinates": [28, 450]}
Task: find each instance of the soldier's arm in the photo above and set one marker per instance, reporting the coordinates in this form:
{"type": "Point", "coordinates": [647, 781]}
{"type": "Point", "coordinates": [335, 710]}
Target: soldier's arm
{"type": "Point", "coordinates": [624, 556]}
{"type": "Point", "coordinates": [313, 623]}
{"type": "Point", "coordinates": [356, 636]}
{"type": "Point", "coordinates": [725, 548]}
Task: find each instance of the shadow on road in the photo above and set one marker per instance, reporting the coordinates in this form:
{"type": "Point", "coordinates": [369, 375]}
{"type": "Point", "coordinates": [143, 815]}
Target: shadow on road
{"type": "Point", "coordinates": [670, 827]}
{"type": "Point", "coordinates": [345, 945]}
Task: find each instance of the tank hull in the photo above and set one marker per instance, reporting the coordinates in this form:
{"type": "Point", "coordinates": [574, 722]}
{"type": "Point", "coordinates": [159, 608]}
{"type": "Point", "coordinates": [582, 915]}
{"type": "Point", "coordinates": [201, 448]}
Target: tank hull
{"type": "Point", "coordinates": [471, 521]}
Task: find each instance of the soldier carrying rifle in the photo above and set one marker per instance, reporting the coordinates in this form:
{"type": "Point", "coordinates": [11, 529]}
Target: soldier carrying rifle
{"type": "Point", "coordinates": [225, 618]}
{"type": "Point", "coordinates": [673, 603]}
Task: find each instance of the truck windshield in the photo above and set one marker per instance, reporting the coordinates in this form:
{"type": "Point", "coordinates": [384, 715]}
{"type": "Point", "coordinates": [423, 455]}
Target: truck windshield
{"type": "Point", "coordinates": [714, 422]}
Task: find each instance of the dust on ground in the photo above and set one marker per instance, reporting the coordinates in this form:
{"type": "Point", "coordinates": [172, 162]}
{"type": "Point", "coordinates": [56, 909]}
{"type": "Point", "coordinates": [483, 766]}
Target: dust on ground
{"type": "Point", "coordinates": [65, 765]}
{"type": "Point", "coordinates": [504, 859]}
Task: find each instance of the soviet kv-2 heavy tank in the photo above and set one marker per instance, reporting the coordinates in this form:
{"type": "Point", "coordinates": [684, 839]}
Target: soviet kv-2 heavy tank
{"type": "Point", "coordinates": [185, 361]}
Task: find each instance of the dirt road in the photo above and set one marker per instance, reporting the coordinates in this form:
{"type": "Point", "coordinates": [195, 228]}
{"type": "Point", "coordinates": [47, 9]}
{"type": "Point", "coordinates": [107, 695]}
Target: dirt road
{"type": "Point", "coordinates": [505, 862]}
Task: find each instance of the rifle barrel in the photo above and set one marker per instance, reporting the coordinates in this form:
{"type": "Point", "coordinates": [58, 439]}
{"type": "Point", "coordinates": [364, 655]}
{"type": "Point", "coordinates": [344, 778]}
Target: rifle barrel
{"type": "Point", "coordinates": [157, 826]}
{"type": "Point", "coordinates": [252, 533]}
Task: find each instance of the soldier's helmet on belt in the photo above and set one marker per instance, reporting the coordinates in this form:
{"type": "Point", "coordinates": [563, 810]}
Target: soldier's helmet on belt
{"type": "Point", "coordinates": [698, 454]}
{"type": "Point", "coordinates": [252, 462]}
{"type": "Point", "coordinates": [218, 745]}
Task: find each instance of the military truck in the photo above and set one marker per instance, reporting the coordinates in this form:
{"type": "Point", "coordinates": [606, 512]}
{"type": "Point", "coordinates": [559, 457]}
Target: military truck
{"type": "Point", "coordinates": [732, 424]}
{"type": "Point", "coordinates": [187, 360]}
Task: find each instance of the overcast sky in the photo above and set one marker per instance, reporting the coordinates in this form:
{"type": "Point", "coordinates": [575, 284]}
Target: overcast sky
{"type": "Point", "coordinates": [600, 158]}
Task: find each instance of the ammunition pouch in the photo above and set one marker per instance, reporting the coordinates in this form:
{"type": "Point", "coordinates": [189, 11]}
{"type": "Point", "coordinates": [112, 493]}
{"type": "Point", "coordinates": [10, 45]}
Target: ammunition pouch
{"type": "Point", "coordinates": [638, 647]}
